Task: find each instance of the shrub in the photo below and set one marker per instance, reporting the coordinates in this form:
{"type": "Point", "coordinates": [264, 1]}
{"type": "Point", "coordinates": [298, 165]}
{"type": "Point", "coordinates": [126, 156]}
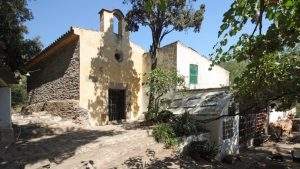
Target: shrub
{"type": "Point", "coordinates": [19, 93]}
{"type": "Point", "coordinates": [163, 116]}
{"type": "Point", "coordinates": [160, 82]}
{"type": "Point", "coordinates": [164, 133]}
{"type": "Point", "coordinates": [185, 125]}
{"type": "Point", "coordinates": [202, 149]}
{"type": "Point", "coordinates": [151, 115]}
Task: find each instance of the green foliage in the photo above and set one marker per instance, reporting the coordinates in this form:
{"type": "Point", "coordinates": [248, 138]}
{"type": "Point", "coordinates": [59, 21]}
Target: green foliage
{"type": "Point", "coordinates": [202, 149]}
{"type": "Point", "coordinates": [163, 116]}
{"type": "Point", "coordinates": [164, 133]}
{"type": "Point", "coordinates": [270, 79]}
{"type": "Point", "coordinates": [271, 74]}
{"type": "Point", "coordinates": [13, 15]}
{"type": "Point", "coordinates": [283, 31]}
{"type": "Point", "coordinates": [19, 93]}
{"type": "Point", "coordinates": [170, 128]}
{"type": "Point", "coordinates": [163, 16]}
{"type": "Point", "coordinates": [186, 125]}
{"type": "Point", "coordinates": [235, 69]}
{"type": "Point", "coordinates": [160, 82]}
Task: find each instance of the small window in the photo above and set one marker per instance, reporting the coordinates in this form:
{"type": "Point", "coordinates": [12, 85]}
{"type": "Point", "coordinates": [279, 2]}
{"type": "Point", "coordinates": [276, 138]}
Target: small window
{"type": "Point", "coordinates": [119, 56]}
{"type": "Point", "coordinates": [193, 74]}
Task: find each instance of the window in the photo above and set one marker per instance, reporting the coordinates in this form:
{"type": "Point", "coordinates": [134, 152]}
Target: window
{"type": "Point", "coordinates": [227, 128]}
{"type": "Point", "coordinates": [193, 74]}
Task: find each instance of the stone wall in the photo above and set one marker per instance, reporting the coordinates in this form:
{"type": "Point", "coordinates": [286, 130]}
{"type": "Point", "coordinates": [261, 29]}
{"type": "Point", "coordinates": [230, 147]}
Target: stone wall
{"type": "Point", "coordinates": [166, 56]}
{"type": "Point", "coordinates": [66, 109]}
{"type": "Point", "coordinates": [253, 126]}
{"type": "Point", "coordinates": [57, 77]}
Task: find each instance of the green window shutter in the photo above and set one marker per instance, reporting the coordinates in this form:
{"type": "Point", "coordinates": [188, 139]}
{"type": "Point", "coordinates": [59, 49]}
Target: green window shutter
{"type": "Point", "coordinates": [193, 74]}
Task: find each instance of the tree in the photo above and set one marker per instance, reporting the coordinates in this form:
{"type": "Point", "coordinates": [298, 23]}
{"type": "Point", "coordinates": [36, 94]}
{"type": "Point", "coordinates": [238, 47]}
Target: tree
{"type": "Point", "coordinates": [19, 92]}
{"type": "Point", "coordinates": [160, 82]}
{"type": "Point", "coordinates": [13, 15]}
{"type": "Point", "coordinates": [235, 69]}
{"type": "Point", "coordinates": [274, 82]}
{"type": "Point", "coordinates": [163, 17]}
{"type": "Point", "coordinates": [272, 72]}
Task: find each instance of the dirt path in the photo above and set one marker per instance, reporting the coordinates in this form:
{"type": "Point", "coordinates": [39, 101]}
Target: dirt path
{"type": "Point", "coordinates": [114, 152]}
{"type": "Point", "coordinates": [50, 142]}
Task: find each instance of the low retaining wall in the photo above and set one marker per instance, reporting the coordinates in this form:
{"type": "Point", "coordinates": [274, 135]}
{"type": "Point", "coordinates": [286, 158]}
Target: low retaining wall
{"type": "Point", "coordinates": [66, 109]}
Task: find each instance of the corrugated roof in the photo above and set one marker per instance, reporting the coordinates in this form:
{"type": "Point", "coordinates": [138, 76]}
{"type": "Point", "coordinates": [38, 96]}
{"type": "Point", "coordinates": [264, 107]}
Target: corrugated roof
{"type": "Point", "coordinates": [200, 103]}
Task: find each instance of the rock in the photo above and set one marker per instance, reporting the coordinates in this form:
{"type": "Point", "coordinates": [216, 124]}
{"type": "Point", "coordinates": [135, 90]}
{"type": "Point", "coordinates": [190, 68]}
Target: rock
{"type": "Point", "coordinates": [39, 164]}
{"type": "Point", "coordinates": [87, 165]}
{"type": "Point", "coordinates": [60, 109]}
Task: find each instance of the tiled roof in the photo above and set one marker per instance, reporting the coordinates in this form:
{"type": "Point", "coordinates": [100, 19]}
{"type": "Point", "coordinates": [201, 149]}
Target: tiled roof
{"type": "Point", "coordinates": [45, 50]}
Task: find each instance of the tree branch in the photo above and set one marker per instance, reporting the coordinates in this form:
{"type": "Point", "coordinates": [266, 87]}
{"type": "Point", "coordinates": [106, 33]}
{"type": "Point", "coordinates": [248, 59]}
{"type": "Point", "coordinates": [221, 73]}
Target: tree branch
{"type": "Point", "coordinates": [165, 33]}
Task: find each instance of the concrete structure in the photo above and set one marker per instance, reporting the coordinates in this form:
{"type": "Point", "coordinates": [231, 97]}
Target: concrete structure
{"type": "Point", "coordinates": [6, 78]}
{"type": "Point", "coordinates": [219, 111]}
{"type": "Point", "coordinates": [103, 70]}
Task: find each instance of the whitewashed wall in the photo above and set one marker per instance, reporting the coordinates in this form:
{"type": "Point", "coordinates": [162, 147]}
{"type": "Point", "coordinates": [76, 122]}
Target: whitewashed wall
{"type": "Point", "coordinates": [278, 115]}
{"type": "Point", "coordinates": [217, 77]}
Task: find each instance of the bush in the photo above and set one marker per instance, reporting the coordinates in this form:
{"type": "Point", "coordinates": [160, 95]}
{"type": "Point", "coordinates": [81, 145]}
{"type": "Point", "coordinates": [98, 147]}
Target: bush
{"type": "Point", "coordinates": [185, 125]}
{"type": "Point", "coordinates": [19, 93]}
{"type": "Point", "coordinates": [164, 133]}
{"type": "Point", "coordinates": [202, 149]}
{"type": "Point", "coordinates": [151, 115]}
{"type": "Point", "coordinates": [163, 116]}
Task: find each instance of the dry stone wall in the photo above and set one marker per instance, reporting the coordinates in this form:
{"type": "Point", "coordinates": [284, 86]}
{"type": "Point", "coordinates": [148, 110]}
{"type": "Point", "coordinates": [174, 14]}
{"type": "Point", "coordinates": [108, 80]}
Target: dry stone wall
{"type": "Point", "coordinates": [66, 109]}
{"type": "Point", "coordinates": [57, 77]}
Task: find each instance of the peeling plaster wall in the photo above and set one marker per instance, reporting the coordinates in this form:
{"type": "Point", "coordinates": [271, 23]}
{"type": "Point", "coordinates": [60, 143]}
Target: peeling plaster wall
{"type": "Point", "coordinates": [99, 71]}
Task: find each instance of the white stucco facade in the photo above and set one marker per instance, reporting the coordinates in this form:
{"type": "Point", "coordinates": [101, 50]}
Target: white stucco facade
{"type": "Point", "coordinates": [215, 78]}
{"type": "Point", "coordinates": [179, 56]}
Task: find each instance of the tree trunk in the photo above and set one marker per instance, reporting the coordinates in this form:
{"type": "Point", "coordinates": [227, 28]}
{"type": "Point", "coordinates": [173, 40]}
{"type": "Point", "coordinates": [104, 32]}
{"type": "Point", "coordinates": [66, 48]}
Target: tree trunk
{"type": "Point", "coordinates": [153, 51]}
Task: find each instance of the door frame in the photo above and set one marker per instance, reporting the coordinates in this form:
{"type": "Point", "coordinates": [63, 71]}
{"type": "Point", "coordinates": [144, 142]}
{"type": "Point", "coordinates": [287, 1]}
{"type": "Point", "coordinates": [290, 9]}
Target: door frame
{"type": "Point", "coordinates": [124, 113]}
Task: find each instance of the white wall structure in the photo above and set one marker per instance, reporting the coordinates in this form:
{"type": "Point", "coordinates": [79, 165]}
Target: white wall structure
{"type": "Point", "coordinates": [5, 118]}
{"type": "Point", "coordinates": [274, 115]}
{"type": "Point", "coordinates": [215, 78]}
{"type": "Point", "coordinates": [224, 132]}
{"type": "Point", "coordinates": [179, 56]}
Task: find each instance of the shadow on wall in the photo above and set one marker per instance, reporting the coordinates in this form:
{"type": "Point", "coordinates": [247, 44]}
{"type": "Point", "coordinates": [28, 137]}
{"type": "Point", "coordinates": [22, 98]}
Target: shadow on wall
{"type": "Point", "coordinates": [113, 68]}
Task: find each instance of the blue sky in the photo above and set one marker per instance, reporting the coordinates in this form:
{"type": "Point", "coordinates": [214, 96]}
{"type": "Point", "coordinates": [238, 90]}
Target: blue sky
{"type": "Point", "coordinates": [52, 18]}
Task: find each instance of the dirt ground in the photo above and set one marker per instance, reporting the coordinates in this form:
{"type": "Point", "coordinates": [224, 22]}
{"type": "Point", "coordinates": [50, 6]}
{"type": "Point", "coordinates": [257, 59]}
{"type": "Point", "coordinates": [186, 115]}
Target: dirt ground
{"type": "Point", "coordinates": [44, 141]}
